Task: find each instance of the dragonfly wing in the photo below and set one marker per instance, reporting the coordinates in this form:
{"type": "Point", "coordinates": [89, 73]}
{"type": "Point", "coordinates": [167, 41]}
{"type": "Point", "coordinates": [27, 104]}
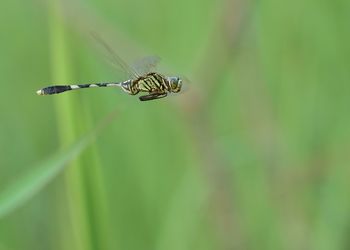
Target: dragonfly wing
{"type": "Point", "coordinates": [146, 64]}
{"type": "Point", "coordinates": [115, 59]}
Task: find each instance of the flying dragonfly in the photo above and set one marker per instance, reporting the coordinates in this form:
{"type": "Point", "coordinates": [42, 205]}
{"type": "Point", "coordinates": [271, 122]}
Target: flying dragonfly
{"type": "Point", "coordinates": [143, 79]}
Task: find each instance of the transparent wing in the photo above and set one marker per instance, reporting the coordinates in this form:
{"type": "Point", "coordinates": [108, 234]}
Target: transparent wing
{"type": "Point", "coordinates": [115, 59]}
{"type": "Point", "coordinates": [146, 64]}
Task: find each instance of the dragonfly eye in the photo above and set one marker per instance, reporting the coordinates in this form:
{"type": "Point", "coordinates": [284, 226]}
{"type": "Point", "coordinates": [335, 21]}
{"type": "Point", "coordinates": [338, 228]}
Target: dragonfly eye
{"type": "Point", "coordinates": [175, 84]}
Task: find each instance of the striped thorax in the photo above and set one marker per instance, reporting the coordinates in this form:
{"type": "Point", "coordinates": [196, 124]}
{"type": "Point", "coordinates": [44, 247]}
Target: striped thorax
{"type": "Point", "coordinates": [152, 83]}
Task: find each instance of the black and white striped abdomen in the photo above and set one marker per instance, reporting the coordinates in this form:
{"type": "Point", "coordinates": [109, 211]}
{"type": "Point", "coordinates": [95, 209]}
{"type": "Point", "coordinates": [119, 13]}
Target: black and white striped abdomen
{"type": "Point", "coordinates": [62, 88]}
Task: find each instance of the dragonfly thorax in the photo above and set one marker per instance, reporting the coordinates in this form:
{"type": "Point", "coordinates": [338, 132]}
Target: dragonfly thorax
{"type": "Point", "coordinates": [152, 83]}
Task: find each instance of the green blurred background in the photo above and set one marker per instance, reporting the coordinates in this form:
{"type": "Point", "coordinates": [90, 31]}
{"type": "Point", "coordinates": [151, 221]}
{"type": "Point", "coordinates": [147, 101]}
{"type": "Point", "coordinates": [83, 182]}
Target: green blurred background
{"type": "Point", "coordinates": [255, 155]}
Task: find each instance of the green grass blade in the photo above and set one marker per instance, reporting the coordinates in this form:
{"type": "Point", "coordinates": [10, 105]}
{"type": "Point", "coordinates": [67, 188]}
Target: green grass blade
{"type": "Point", "coordinates": [31, 183]}
{"type": "Point", "coordinates": [28, 185]}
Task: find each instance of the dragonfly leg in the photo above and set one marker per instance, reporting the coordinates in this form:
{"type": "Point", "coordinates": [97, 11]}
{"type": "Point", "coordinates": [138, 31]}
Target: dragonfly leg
{"type": "Point", "coordinates": [152, 96]}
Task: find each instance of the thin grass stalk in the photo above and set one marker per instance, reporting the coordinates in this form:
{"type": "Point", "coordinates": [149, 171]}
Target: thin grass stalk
{"type": "Point", "coordinates": [96, 201]}
{"type": "Point", "coordinates": [75, 233]}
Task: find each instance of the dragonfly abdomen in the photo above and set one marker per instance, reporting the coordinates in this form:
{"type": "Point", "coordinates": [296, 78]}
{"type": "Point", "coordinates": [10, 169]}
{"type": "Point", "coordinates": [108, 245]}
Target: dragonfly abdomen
{"type": "Point", "coordinates": [62, 88]}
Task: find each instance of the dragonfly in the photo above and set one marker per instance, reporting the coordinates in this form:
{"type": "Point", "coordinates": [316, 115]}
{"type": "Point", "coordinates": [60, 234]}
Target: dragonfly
{"type": "Point", "coordinates": [143, 79]}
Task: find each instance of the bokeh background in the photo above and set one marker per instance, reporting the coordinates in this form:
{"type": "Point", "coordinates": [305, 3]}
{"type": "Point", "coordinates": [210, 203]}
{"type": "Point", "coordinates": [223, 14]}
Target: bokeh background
{"type": "Point", "coordinates": [255, 155]}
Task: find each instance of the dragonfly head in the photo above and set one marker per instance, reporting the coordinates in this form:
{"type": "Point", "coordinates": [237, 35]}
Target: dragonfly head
{"type": "Point", "coordinates": [175, 84]}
